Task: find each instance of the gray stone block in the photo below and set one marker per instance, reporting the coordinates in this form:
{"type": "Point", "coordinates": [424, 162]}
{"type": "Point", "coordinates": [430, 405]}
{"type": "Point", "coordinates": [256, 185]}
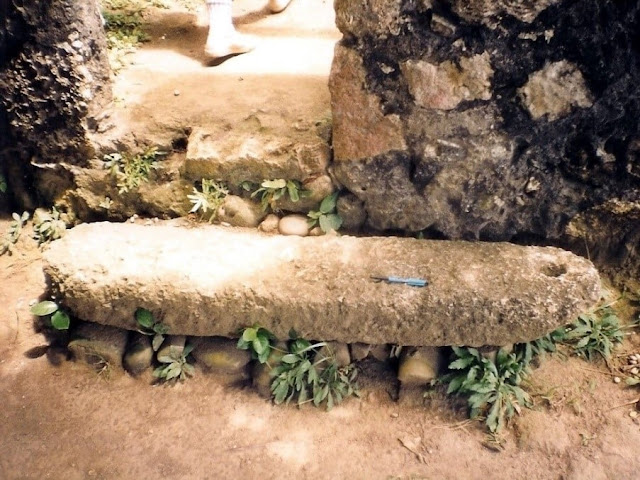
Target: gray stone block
{"type": "Point", "coordinates": [209, 281]}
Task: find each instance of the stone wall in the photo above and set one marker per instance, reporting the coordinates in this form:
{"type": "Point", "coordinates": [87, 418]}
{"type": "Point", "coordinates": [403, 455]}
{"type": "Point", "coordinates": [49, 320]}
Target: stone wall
{"type": "Point", "coordinates": [54, 85]}
{"type": "Point", "coordinates": [493, 120]}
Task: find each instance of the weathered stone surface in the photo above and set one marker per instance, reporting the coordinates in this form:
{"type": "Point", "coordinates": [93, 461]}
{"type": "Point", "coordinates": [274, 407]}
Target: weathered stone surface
{"type": "Point", "coordinates": [212, 281]}
{"type": "Point", "coordinates": [446, 85]}
{"type": "Point", "coordinates": [359, 351]}
{"type": "Point", "coordinates": [220, 355]}
{"type": "Point", "coordinates": [360, 127]}
{"type": "Point", "coordinates": [336, 350]}
{"type": "Point", "coordinates": [490, 120]}
{"type": "Point", "coordinates": [241, 212]}
{"type": "Point", "coordinates": [294, 225]}
{"type": "Point", "coordinates": [383, 17]}
{"type": "Point", "coordinates": [54, 84]}
{"type": "Point", "coordinates": [380, 352]}
{"type": "Point", "coordinates": [609, 234]}
{"type": "Point", "coordinates": [555, 90]}
{"type": "Point", "coordinates": [270, 224]}
{"type": "Point", "coordinates": [139, 354]}
{"type": "Point", "coordinates": [351, 210]}
{"type": "Point", "coordinates": [418, 366]}
{"type": "Point", "coordinates": [99, 345]}
{"type": "Point", "coordinates": [261, 147]}
{"type": "Point", "coordinates": [481, 10]}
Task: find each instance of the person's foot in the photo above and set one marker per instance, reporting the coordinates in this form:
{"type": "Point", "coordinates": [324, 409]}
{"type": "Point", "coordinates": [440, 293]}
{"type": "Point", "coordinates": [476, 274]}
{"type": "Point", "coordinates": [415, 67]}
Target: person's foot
{"type": "Point", "coordinates": [234, 43]}
{"type": "Point", "coordinates": [277, 6]}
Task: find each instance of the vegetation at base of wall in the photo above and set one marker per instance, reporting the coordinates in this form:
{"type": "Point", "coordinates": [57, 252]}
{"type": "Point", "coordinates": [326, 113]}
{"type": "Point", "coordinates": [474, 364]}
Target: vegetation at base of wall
{"type": "Point", "coordinates": [258, 340]}
{"type": "Point", "coordinates": [132, 170]}
{"type": "Point", "coordinates": [595, 334]}
{"type": "Point", "coordinates": [209, 199]}
{"type": "Point", "coordinates": [149, 326]}
{"type": "Point", "coordinates": [60, 319]}
{"type": "Point", "coordinates": [3, 184]}
{"type": "Point", "coordinates": [47, 226]}
{"type": "Point", "coordinates": [326, 216]}
{"type": "Point", "coordinates": [306, 372]}
{"type": "Point", "coordinates": [175, 366]}
{"type": "Point", "coordinates": [13, 233]}
{"type": "Point", "coordinates": [493, 388]}
{"type": "Point", "coordinates": [123, 27]}
{"type": "Point", "coordinates": [270, 191]}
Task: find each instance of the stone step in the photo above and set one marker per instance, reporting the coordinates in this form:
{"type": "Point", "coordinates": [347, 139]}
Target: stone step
{"type": "Point", "coordinates": [208, 280]}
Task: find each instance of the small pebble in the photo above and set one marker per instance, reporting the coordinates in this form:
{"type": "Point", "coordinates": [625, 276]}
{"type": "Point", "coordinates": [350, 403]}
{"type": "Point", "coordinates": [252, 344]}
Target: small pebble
{"type": "Point", "coordinates": [616, 380]}
{"type": "Point", "coordinates": [634, 371]}
{"type": "Point", "coordinates": [176, 93]}
{"type": "Point", "coordinates": [394, 415]}
{"type": "Point", "coordinates": [633, 414]}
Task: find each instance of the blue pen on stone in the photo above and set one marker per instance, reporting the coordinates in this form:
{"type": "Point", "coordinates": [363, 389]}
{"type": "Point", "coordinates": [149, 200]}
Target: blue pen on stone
{"type": "Point", "coordinates": [413, 282]}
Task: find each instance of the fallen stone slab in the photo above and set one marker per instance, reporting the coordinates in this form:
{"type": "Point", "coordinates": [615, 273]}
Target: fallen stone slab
{"type": "Point", "coordinates": [212, 281]}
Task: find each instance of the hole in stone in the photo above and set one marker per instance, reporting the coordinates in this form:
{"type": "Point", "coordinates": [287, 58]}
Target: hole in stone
{"type": "Point", "coordinates": [554, 270]}
{"type": "Point", "coordinates": [180, 144]}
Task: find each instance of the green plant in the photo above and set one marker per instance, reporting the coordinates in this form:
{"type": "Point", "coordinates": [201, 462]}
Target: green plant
{"type": "Point", "coordinates": [131, 170]}
{"type": "Point", "coordinates": [149, 326]}
{"type": "Point", "coordinates": [310, 376]}
{"type": "Point", "coordinates": [47, 226]}
{"type": "Point", "coordinates": [528, 351]}
{"type": "Point", "coordinates": [594, 333]}
{"type": "Point", "coordinates": [491, 388]}
{"type": "Point", "coordinates": [272, 190]}
{"type": "Point", "coordinates": [59, 318]}
{"type": "Point", "coordinates": [209, 199]}
{"type": "Point", "coordinates": [175, 365]}
{"type": "Point", "coordinates": [258, 340]}
{"type": "Point", "coordinates": [123, 26]}
{"type": "Point", "coordinates": [3, 184]}
{"type": "Point", "coordinates": [326, 217]}
{"type": "Point", "coordinates": [12, 235]}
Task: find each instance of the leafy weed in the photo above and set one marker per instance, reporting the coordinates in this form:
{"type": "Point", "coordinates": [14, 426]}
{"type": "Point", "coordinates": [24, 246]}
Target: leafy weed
{"type": "Point", "coordinates": [132, 170]}
{"type": "Point", "coordinates": [258, 340]}
{"type": "Point", "coordinates": [326, 217]}
{"type": "Point", "coordinates": [59, 318]}
{"type": "Point", "coordinates": [149, 326]}
{"type": "Point", "coordinates": [12, 235]}
{"type": "Point", "coordinates": [47, 226]}
{"type": "Point", "coordinates": [492, 389]}
{"type": "Point", "coordinates": [210, 198]}
{"type": "Point", "coordinates": [271, 191]}
{"type": "Point", "coordinates": [595, 333]}
{"type": "Point", "coordinates": [175, 366]}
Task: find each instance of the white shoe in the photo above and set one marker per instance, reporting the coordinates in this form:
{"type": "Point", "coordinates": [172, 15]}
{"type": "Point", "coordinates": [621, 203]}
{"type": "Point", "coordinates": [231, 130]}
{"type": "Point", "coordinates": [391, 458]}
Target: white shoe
{"type": "Point", "coordinates": [232, 44]}
{"type": "Point", "coordinates": [277, 6]}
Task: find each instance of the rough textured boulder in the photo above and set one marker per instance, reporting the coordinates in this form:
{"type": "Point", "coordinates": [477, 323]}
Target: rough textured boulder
{"type": "Point", "coordinates": [490, 120]}
{"type": "Point", "coordinates": [54, 84]}
{"type": "Point", "coordinates": [213, 281]}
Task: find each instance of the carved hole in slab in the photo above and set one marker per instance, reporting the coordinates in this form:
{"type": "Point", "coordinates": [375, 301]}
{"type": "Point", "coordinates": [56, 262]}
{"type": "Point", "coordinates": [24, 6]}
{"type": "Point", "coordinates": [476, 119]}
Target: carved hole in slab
{"type": "Point", "coordinates": [554, 270]}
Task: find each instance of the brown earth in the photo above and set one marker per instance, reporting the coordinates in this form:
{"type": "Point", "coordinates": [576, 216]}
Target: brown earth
{"type": "Point", "coordinates": [62, 420]}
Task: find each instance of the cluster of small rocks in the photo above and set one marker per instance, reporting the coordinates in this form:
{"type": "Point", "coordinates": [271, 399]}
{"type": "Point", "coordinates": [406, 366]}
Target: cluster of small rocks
{"type": "Point", "coordinates": [115, 348]}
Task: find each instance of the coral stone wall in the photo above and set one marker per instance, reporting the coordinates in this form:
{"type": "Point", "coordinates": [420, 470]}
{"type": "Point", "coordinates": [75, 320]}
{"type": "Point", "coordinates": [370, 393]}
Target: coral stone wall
{"type": "Point", "coordinates": [54, 85]}
{"type": "Point", "coordinates": [493, 120]}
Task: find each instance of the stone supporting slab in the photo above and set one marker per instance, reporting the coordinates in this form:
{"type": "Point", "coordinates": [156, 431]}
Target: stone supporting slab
{"type": "Point", "coordinates": [209, 280]}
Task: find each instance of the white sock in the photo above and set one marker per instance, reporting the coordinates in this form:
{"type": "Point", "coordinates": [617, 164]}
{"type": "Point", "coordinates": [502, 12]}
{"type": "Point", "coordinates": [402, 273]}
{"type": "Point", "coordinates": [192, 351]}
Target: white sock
{"type": "Point", "coordinates": [220, 19]}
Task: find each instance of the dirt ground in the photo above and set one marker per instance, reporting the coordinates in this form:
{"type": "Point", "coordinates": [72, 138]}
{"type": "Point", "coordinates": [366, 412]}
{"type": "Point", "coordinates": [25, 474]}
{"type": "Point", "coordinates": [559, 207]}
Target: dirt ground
{"type": "Point", "coordinates": [61, 420]}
